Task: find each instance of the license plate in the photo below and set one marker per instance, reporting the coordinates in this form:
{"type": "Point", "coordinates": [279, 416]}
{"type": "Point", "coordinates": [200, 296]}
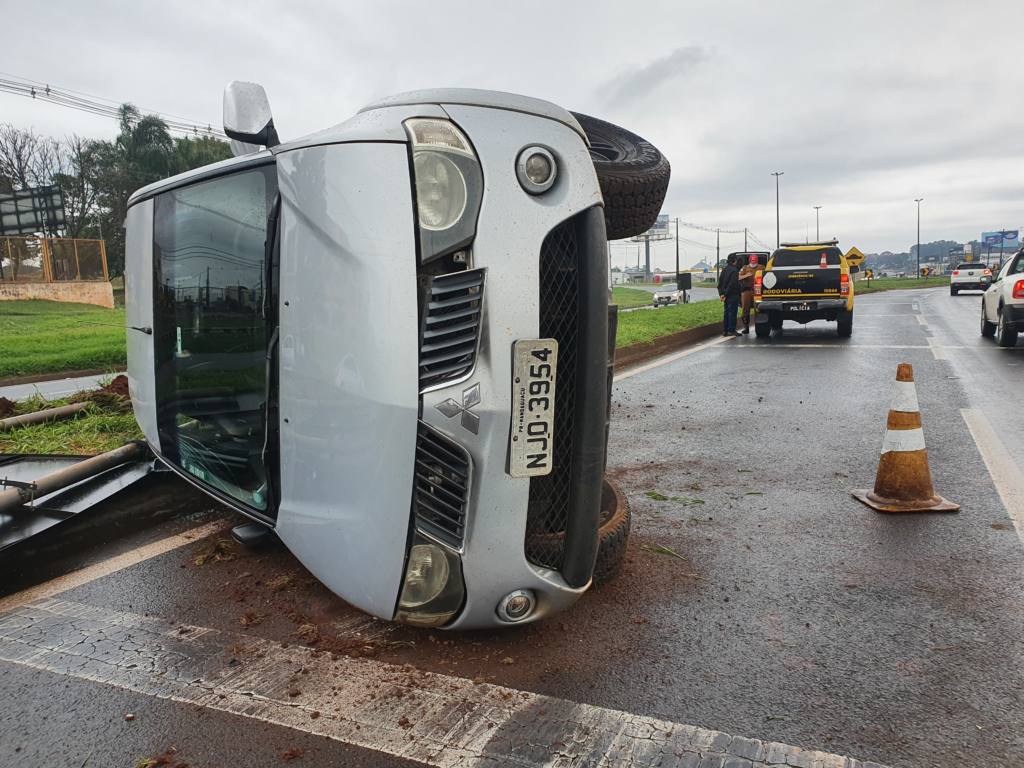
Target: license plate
{"type": "Point", "coordinates": [531, 444]}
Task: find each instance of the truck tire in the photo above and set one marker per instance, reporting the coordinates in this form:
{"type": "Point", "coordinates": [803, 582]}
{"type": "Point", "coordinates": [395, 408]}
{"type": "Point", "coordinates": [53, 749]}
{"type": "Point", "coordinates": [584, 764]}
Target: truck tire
{"type": "Point", "coordinates": [988, 330]}
{"type": "Point", "coordinates": [632, 173]}
{"type": "Point", "coordinates": [762, 330]}
{"type": "Point", "coordinates": [844, 324]}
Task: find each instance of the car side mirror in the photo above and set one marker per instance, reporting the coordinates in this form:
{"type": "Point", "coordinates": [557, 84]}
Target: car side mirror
{"type": "Point", "coordinates": [248, 121]}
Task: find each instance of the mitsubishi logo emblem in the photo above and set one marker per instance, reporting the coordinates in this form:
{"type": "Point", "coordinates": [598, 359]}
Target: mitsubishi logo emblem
{"type": "Point", "coordinates": [470, 399]}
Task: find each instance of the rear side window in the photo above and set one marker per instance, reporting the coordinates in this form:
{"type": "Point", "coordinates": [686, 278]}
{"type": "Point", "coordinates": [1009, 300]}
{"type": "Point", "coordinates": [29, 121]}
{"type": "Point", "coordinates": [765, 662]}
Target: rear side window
{"type": "Point", "coordinates": [788, 258]}
{"type": "Point", "coordinates": [1018, 265]}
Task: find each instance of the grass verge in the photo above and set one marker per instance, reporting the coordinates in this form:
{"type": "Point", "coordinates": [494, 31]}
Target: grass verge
{"type": "Point", "coordinates": [646, 326]}
{"type": "Point", "coordinates": [898, 284]}
{"type": "Point", "coordinates": [631, 297]}
{"type": "Point", "coordinates": [107, 423]}
{"type": "Point", "coordinates": [52, 336]}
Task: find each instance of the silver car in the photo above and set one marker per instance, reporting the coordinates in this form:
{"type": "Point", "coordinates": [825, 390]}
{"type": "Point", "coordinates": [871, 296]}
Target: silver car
{"type": "Point", "coordinates": [388, 342]}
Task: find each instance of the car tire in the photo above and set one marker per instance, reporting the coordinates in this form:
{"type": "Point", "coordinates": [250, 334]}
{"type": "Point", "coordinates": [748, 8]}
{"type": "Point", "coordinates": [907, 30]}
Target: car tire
{"type": "Point", "coordinates": [762, 330]}
{"type": "Point", "coordinates": [953, 291]}
{"type": "Point", "coordinates": [613, 534]}
{"type": "Point", "coordinates": [988, 330]}
{"type": "Point", "coordinates": [1005, 336]}
{"type": "Point", "coordinates": [844, 324]}
{"type": "Point", "coordinates": [633, 175]}
{"type": "Point", "coordinates": [775, 322]}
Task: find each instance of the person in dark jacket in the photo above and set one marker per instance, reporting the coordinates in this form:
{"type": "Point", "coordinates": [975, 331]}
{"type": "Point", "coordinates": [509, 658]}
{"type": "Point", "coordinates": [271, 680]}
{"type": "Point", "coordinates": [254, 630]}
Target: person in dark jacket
{"type": "Point", "coordinates": [729, 294]}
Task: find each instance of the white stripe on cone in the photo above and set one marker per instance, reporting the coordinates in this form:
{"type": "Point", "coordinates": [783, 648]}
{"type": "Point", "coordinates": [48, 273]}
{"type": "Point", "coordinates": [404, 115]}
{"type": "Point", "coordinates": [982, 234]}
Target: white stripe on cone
{"type": "Point", "coordinates": [903, 440]}
{"type": "Point", "coordinates": [904, 398]}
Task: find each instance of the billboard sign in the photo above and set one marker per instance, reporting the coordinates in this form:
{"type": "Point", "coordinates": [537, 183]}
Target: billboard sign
{"type": "Point", "coordinates": [1004, 239]}
{"type": "Point", "coordinates": [660, 230]}
{"type": "Point", "coordinates": [28, 211]}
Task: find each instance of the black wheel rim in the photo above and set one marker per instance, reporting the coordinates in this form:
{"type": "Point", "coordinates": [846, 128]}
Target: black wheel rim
{"type": "Point", "coordinates": [605, 152]}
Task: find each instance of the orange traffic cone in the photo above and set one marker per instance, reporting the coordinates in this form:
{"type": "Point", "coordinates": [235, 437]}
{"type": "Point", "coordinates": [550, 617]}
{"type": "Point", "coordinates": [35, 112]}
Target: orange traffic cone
{"type": "Point", "coordinates": [904, 481]}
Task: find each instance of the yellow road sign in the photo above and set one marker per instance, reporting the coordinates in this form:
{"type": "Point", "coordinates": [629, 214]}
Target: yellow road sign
{"type": "Point", "coordinates": [854, 256]}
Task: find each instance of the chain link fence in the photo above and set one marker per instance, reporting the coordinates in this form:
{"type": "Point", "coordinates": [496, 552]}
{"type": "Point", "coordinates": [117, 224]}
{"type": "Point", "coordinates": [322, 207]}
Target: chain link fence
{"type": "Point", "coordinates": [51, 259]}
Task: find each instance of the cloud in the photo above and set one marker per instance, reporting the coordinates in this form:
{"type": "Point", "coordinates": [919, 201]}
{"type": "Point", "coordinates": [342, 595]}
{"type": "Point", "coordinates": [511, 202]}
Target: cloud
{"type": "Point", "coordinates": [639, 83]}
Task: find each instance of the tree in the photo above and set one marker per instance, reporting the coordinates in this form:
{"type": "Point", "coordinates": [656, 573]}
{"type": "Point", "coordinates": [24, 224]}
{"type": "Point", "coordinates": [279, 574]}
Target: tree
{"type": "Point", "coordinates": [96, 178]}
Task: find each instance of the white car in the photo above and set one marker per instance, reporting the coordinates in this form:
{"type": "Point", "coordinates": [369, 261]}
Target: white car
{"type": "Point", "coordinates": [668, 295]}
{"type": "Point", "coordinates": [969, 277]}
{"type": "Point", "coordinates": [1002, 306]}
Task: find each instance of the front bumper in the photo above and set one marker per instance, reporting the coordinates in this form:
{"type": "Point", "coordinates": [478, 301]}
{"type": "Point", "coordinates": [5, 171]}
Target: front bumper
{"type": "Point", "coordinates": [515, 234]}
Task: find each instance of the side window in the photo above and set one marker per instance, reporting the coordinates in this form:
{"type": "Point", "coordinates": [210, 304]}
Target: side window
{"type": "Point", "coordinates": [210, 330]}
{"type": "Point", "coordinates": [1017, 267]}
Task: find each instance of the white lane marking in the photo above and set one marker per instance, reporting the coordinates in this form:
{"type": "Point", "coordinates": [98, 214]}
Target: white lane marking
{"type": "Point", "coordinates": [1006, 475]}
{"type": "Point", "coordinates": [920, 319]}
{"type": "Point", "coordinates": [397, 710]}
{"type": "Point", "coordinates": [903, 440]}
{"type": "Point", "coordinates": [99, 570]}
{"type": "Point", "coordinates": [938, 350]}
{"type": "Point", "coordinates": [671, 358]}
{"type": "Point", "coordinates": [904, 397]}
{"type": "Point", "coordinates": [785, 344]}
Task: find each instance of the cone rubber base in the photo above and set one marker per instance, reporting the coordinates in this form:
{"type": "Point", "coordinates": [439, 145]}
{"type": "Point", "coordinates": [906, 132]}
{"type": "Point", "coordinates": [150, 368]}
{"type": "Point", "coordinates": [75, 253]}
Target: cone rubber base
{"type": "Point", "coordinates": [880, 504]}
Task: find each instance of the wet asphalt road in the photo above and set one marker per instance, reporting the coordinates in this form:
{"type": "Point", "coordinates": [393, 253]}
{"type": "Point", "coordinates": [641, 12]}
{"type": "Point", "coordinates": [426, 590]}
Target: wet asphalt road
{"type": "Point", "coordinates": [788, 611]}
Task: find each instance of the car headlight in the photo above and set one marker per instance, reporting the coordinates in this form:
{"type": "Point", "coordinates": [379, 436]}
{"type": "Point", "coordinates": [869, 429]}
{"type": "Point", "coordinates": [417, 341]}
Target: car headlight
{"type": "Point", "coordinates": [440, 191]}
{"type": "Point", "coordinates": [448, 183]}
{"type": "Point", "coordinates": [433, 589]}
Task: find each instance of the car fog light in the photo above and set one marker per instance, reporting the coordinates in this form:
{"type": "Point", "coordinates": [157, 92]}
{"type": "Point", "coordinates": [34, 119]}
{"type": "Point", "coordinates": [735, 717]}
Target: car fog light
{"type": "Point", "coordinates": [517, 605]}
{"type": "Point", "coordinates": [426, 576]}
{"type": "Point", "coordinates": [536, 169]}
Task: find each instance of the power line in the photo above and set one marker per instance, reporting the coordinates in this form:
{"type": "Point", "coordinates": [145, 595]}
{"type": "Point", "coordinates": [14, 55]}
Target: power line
{"type": "Point", "coordinates": [95, 105]}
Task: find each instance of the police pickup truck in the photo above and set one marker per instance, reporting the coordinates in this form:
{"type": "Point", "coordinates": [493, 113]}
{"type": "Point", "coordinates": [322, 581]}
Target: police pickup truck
{"type": "Point", "coordinates": [804, 282]}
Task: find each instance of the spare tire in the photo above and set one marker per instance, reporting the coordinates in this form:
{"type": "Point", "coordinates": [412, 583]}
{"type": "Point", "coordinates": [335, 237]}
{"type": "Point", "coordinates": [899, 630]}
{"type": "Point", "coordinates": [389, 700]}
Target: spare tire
{"type": "Point", "coordinates": [632, 173]}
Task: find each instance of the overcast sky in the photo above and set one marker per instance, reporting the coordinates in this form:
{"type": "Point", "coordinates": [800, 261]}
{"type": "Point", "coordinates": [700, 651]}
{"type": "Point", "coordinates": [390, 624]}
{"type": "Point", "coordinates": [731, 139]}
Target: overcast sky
{"type": "Point", "coordinates": [864, 106]}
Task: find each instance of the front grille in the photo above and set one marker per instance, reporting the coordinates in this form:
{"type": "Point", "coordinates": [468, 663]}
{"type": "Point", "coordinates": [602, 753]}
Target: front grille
{"type": "Point", "coordinates": [551, 495]}
{"type": "Point", "coordinates": [441, 487]}
{"type": "Point", "coordinates": [451, 327]}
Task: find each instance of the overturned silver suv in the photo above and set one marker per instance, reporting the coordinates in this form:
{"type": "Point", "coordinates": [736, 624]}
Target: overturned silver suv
{"type": "Point", "coordinates": [389, 342]}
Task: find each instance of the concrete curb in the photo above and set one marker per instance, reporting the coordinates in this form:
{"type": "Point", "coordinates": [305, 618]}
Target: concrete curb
{"type": "Point", "coordinates": [635, 354]}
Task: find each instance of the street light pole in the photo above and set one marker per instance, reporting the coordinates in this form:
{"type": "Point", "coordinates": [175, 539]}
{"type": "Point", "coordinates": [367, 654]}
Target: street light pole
{"type": "Point", "coordinates": [677, 253]}
{"type": "Point", "coordinates": [918, 201]}
{"type": "Point", "coordinates": [778, 238]}
{"type": "Point", "coordinates": [817, 224]}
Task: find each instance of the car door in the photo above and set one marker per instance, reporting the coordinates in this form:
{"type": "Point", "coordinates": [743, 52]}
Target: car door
{"type": "Point", "coordinates": [991, 297]}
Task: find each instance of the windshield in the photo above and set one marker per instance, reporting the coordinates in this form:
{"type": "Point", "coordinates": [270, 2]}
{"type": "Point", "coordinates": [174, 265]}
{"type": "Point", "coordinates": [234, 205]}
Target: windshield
{"type": "Point", "coordinates": [210, 337]}
{"type": "Point", "coordinates": [792, 258]}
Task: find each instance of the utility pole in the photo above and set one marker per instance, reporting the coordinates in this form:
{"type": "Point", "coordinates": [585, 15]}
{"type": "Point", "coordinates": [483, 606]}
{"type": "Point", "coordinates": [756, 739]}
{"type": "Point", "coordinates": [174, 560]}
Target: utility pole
{"type": "Point", "coordinates": [778, 238]}
{"type": "Point", "coordinates": [718, 249]}
{"type": "Point", "coordinates": [744, 238]}
{"type": "Point", "coordinates": [677, 253]}
{"type": "Point", "coordinates": [647, 257]}
{"type": "Point", "coordinates": [918, 201]}
{"type": "Point", "coordinates": [817, 224]}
